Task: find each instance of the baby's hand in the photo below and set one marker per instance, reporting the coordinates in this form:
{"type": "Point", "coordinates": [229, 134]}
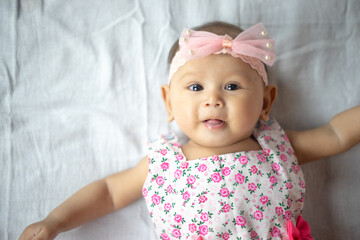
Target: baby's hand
{"type": "Point", "coordinates": [44, 230]}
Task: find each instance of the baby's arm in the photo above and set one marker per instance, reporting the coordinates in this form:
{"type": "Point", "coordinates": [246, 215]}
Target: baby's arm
{"type": "Point", "coordinates": [338, 135]}
{"type": "Point", "coordinates": [94, 200]}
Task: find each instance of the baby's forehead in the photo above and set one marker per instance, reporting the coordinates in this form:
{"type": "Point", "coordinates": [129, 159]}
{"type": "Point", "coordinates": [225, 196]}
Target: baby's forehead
{"type": "Point", "coordinates": [222, 66]}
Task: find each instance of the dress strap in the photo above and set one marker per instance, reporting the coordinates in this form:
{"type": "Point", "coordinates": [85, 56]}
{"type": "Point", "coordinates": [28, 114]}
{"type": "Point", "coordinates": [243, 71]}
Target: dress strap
{"type": "Point", "coordinates": [162, 148]}
{"type": "Point", "coordinates": [270, 135]}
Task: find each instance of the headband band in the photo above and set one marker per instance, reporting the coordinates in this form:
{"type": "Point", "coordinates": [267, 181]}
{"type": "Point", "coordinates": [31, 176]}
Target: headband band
{"type": "Point", "coordinates": [252, 46]}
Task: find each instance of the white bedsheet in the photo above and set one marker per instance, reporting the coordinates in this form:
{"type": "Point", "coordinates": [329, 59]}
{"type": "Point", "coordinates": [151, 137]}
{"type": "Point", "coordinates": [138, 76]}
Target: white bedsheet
{"type": "Point", "coordinates": [80, 96]}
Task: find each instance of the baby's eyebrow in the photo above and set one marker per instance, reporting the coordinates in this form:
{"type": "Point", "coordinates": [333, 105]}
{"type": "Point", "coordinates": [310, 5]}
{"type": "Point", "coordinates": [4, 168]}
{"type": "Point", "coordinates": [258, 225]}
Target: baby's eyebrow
{"type": "Point", "coordinates": [243, 75]}
{"type": "Point", "coordinates": [187, 74]}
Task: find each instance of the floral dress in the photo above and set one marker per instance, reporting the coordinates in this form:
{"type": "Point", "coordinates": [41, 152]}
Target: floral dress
{"type": "Point", "coordinates": [241, 195]}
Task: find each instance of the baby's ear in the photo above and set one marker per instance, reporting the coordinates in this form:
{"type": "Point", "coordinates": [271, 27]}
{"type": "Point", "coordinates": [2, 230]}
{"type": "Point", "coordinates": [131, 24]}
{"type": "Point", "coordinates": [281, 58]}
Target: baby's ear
{"type": "Point", "coordinates": [270, 93]}
{"type": "Point", "coordinates": [165, 91]}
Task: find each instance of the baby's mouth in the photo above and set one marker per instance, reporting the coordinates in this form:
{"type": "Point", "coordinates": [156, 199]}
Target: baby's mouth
{"type": "Point", "coordinates": [214, 123]}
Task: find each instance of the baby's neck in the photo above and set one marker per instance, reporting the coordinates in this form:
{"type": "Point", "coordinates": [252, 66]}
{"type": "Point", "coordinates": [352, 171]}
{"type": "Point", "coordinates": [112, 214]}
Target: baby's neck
{"type": "Point", "coordinates": [192, 150]}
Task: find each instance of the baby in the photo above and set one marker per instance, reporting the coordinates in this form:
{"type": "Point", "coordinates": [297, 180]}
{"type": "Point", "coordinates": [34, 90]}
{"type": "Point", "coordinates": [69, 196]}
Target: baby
{"type": "Point", "coordinates": [238, 176]}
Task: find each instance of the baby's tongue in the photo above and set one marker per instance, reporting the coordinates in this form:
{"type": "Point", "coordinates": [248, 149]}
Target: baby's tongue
{"type": "Point", "coordinates": [214, 123]}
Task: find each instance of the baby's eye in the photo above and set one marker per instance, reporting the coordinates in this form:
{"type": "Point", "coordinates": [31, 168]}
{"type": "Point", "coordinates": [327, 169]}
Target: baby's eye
{"type": "Point", "coordinates": [231, 86]}
{"type": "Point", "coordinates": [196, 87]}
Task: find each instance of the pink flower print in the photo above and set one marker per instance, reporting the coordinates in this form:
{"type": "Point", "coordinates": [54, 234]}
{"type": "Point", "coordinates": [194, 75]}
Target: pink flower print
{"type": "Point", "coordinates": [266, 127]}
{"type": "Point", "coordinates": [226, 171]}
{"type": "Point", "coordinates": [186, 195]}
{"type": "Point", "coordinates": [191, 180]}
{"type": "Point", "coordinates": [202, 168]}
{"type": "Point", "coordinates": [192, 227]}
{"type": "Point", "coordinates": [273, 179]}
{"type": "Point", "coordinates": [176, 233]}
{"type": "Point", "coordinates": [144, 192]}
{"type": "Point", "coordinates": [283, 157]}
{"type": "Point", "coordinates": [264, 199]}
{"type": "Point", "coordinates": [169, 189]}
{"type": "Point", "coordinates": [165, 165]}
{"type": "Point", "coordinates": [226, 208]}
{"type": "Point", "coordinates": [261, 158]}
{"type": "Point", "coordinates": [164, 236]}
{"type": "Point", "coordinates": [290, 151]}
{"type": "Point", "coordinates": [176, 144]}
{"type": "Point", "coordinates": [224, 192]}
{"type": "Point", "coordinates": [163, 151]}
{"type": "Point", "coordinates": [294, 169]}
{"type": "Point", "coordinates": [156, 199]}
{"type": "Point", "coordinates": [253, 234]}
{"type": "Point", "coordinates": [279, 211]}
{"type": "Point", "coordinates": [178, 218]}
{"type": "Point", "coordinates": [226, 236]}
{"type": "Point", "coordinates": [288, 215]}
{"type": "Point", "coordinates": [289, 202]}
{"type": "Point", "coordinates": [254, 169]}
{"type": "Point", "coordinates": [215, 158]}
{"type": "Point", "coordinates": [177, 174]}
{"type": "Point", "coordinates": [243, 160]}
{"type": "Point", "coordinates": [202, 199]}
{"type": "Point", "coordinates": [275, 167]}
{"type": "Point", "coordinates": [204, 217]}
{"type": "Point", "coordinates": [239, 178]}
{"type": "Point", "coordinates": [216, 177]}
{"type": "Point", "coordinates": [286, 138]}
{"type": "Point", "coordinates": [184, 165]}
{"type": "Point", "coordinates": [160, 180]}
{"type": "Point", "coordinates": [179, 157]}
{"type": "Point", "coordinates": [281, 148]}
{"type": "Point", "coordinates": [258, 215]}
{"type": "Point", "coordinates": [167, 206]}
{"type": "Point", "coordinates": [252, 186]}
{"type": "Point", "coordinates": [267, 138]}
{"type": "Point", "coordinates": [275, 232]}
{"type": "Point", "coordinates": [203, 229]}
{"type": "Point", "coordinates": [302, 184]}
{"type": "Point", "coordinates": [266, 152]}
{"type": "Point", "coordinates": [289, 185]}
{"type": "Point", "coordinates": [240, 220]}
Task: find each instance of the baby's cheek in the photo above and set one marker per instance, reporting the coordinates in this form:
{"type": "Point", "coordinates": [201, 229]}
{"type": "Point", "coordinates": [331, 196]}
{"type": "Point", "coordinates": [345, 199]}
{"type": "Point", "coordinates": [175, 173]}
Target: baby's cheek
{"type": "Point", "coordinates": [183, 121]}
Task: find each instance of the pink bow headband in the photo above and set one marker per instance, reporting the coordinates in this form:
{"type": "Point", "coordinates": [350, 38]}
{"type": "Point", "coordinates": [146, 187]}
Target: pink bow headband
{"type": "Point", "coordinates": [252, 46]}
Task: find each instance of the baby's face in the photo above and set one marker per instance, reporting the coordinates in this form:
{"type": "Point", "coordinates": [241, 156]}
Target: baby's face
{"type": "Point", "coordinates": [217, 100]}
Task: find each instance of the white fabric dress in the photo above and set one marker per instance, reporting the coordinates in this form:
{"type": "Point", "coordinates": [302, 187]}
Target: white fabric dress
{"type": "Point", "coordinates": [241, 195]}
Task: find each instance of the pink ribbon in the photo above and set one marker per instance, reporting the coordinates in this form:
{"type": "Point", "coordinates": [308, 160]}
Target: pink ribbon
{"type": "Point", "coordinates": [300, 232]}
{"type": "Point", "coordinates": [252, 46]}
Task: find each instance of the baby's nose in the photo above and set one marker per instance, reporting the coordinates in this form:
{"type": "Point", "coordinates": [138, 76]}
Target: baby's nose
{"type": "Point", "coordinates": [214, 100]}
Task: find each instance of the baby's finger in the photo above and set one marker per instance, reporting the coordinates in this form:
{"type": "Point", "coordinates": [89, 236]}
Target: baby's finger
{"type": "Point", "coordinates": [44, 234]}
{"type": "Point", "coordinates": [27, 235]}
{"type": "Point", "coordinates": [32, 232]}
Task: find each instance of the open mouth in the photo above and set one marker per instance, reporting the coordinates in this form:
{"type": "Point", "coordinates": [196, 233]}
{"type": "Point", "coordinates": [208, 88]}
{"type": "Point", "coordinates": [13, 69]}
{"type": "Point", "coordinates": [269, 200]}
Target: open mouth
{"type": "Point", "coordinates": [214, 123]}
